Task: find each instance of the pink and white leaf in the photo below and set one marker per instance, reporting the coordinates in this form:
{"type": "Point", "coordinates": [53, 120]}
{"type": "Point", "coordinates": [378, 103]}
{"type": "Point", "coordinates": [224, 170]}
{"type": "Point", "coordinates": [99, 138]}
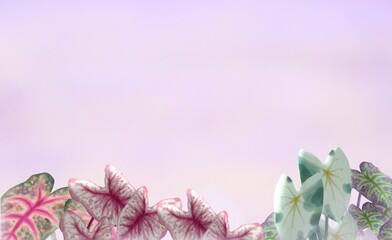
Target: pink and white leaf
{"type": "Point", "coordinates": [105, 201]}
{"type": "Point", "coordinates": [219, 229]}
{"type": "Point", "coordinates": [80, 210]}
{"type": "Point", "coordinates": [73, 227]}
{"type": "Point", "coordinates": [187, 225]}
{"type": "Point", "coordinates": [247, 232]}
{"type": "Point", "coordinates": [30, 211]}
{"type": "Point", "coordinates": [139, 221]}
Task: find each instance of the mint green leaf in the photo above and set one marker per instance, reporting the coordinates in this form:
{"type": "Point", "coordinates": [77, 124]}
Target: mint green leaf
{"type": "Point", "coordinates": [373, 184]}
{"type": "Point", "coordinates": [269, 228]}
{"type": "Point", "coordinates": [336, 177]}
{"type": "Point", "coordinates": [297, 213]}
{"type": "Point", "coordinates": [346, 229]}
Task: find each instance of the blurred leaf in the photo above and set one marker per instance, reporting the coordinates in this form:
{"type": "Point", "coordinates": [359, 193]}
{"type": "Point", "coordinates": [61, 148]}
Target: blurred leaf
{"type": "Point", "coordinates": [219, 229]}
{"type": "Point", "coordinates": [369, 217]}
{"type": "Point", "coordinates": [336, 177]}
{"type": "Point", "coordinates": [297, 213]}
{"type": "Point", "coordinates": [386, 231]}
{"type": "Point", "coordinates": [30, 211]}
{"type": "Point", "coordinates": [346, 229]}
{"type": "Point", "coordinates": [269, 228]}
{"type": "Point", "coordinates": [373, 184]}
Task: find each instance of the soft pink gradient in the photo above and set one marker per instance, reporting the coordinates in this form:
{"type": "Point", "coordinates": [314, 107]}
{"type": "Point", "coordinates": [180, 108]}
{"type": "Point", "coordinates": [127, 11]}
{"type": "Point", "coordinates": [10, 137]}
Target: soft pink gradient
{"type": "Point", "coordinates": [218, 97]}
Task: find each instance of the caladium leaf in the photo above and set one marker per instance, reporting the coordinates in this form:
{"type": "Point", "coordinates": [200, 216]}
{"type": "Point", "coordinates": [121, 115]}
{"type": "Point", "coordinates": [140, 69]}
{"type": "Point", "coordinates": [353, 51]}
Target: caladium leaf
{"type": "Point", "coordinates": [297, 213]}
{"type": "Point", "coordinates": [386, 231]}
{"type": "Point", "coordinates": [366, 234]}
{"type": "Point", "coordinates": [80, 210]}
{"type": "Point", "coordinates": [369, 217]}
{"type": "Point", "coordinates": [139, 221]}
{"type": "Point", "coordinates": [30, 211]}
{"type": "Point", "coordinates": [247, 232]}
{"type": "Point", "coordinates": [336, 177]}
{"type": "Point", "coordinates": [346, 229]}
{"type": "Point", "coordinates": [219, 229]}
{"type": "Point", "coordinates": [105, 201]}
{"type": "Point", "coordinates": [187, 225]}
{"type": "Point", "coordinates": [373, 184]}
{"type": "Point", "coordinates": [73, 227]}
{"type": "Point", "coordinates": [269, 228]}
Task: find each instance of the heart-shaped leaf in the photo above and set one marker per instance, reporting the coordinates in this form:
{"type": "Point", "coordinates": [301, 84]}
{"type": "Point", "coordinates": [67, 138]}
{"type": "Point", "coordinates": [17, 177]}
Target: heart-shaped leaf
{"type": "Point", "coordinates": [139, 221]}
{"type": "Point", "coordinates": [247, 232]}
{"type": "Point", "coordinates": [346, 229]}
{"type": "Point", "coordinates": [187, 225]}
{"type": "Point", "coordinates": [269, 228]}
{"type": "Point", "coordinates": [73, 227]}
{"type": "Point", "coordinates": [386, 231]}
{"type": "Point", "coordinates": [369, 217]}
{"type": "Point", "coordinates": [30, 211]}
{"type": "Point", "coordinates": [373, 184]}
{"type": "Point", "coordinates": [336, 177]}
{"type": "Point", "coordinates": [80, 210]}
{"type": "Point", "coordinates": [105, 201]}
{"type": "Point", "coordinates": [219, 229]}
{"type": "Point", "coordinates": [297, 213]}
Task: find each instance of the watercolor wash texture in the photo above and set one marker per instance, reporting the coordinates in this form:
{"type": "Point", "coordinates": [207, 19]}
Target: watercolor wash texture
{"type": "Point", "coordinates": [318, 210]}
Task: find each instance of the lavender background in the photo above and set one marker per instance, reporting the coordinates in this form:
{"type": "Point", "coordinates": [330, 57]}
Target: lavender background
{"type": "Point", "coordinates": [215, 96]}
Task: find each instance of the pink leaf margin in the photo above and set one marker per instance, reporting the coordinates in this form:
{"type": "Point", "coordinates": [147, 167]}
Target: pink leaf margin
{"type": "Point", "coordinates": [107, 201]}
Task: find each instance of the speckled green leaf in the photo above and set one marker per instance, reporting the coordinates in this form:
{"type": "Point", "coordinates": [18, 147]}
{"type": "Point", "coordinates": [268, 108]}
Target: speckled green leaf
{"type": "Point", "coordinates": [30, 210]}
{"type": "Point", "coordinates": [269, 228]}
{"type": "Point", "coordinates": [373, 184]}
{"type": "Point", "coordinates": [297, 213]}
{"type": "Point", "coordinates": [369, 217]}
{"type": "Point", "coordinates": [336, 177]}
{"type": "Point", "coordinates": [386, 231]}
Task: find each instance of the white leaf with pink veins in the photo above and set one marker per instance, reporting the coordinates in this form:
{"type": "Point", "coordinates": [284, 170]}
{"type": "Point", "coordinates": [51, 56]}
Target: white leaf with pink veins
{"type": "Point", "coordinates": [219, 229]}
{"type": "Point", "coordinates": [139, 221]}
{"type": "Point", "coordinates": [107, 201]}
{"type": "Point", "coordinates": [73, 227]}
{"type": "Point", "coordinates": [187, 225]}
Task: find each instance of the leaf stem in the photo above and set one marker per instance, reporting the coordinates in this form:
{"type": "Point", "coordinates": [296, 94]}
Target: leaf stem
{"type": "Point", "coordinates": [89, 223]}
{"type": "Point", "coordinates": [359, 199]}
{"type": "Point", "coordinates": [318, 232]}
{"type": "Point", "coordinates": [326, 228]}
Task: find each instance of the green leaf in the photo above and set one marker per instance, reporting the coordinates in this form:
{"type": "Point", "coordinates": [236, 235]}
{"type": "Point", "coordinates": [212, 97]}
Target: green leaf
{"type": "Point", "coordinates": [386, 231]}
{"type": "Point", "coordinates": [336, 177]}
{"type": "Point", "coordinates": [373, 184]}
{"type": "Point", "coordinates": [269, 228]}
{"type": "Point", "coordinates": [297, 213]}
{"type": "Point", "coordinates": [369, 217]}
{"type": "Point", "coordinates": [30, 211]}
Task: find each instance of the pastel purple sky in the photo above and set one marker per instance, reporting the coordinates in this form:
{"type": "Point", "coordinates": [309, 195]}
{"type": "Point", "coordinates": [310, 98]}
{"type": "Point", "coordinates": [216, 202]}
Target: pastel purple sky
{"type": "Point", "coordinates": [215, 96]}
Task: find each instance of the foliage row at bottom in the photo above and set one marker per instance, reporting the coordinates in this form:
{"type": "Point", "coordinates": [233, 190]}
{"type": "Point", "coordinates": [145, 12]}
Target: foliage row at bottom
{"type": "Point", "coordinates": [318, 210]}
